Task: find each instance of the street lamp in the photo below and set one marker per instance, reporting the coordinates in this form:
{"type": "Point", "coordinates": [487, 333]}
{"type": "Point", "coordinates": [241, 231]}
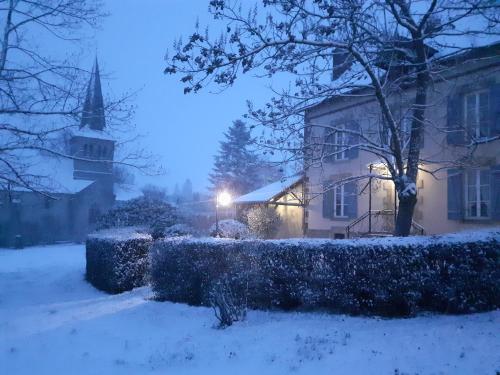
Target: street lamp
{"type": "Point", "coordinates": [222, 199]}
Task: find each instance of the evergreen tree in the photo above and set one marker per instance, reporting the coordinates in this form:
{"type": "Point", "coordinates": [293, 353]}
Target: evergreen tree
{"type": "Point", "coordinates": [187, 191]}
{"type": "Point", "coordinates": [236, 164]}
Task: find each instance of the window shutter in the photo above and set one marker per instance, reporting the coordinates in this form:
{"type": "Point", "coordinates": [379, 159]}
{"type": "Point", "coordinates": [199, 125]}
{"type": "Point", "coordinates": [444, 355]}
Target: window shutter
{"type": "Point", "coordinates": [494, 109]}
{"type": "Point", "coordinates": [328, 201]}
{"type": "Point", "coordinates": [352, 153]}
{"type": "Point", "coordinates": [454, 120]}
{"type": "Point", "coordinates": [455, 194]}
{"type": "Point", "coordinates": [495, 192]}
{"type": "Point", "coordinates": [351, 200]}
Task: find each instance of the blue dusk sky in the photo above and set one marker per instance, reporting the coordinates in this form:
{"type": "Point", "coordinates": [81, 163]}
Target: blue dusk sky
{"type": "Point", "coordinates": [183, 130]}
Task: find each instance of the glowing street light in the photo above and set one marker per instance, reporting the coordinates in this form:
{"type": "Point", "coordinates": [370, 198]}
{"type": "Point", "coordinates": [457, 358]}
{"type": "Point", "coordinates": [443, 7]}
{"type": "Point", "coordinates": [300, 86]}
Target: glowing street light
{"type": "Point", "coordinates": [223, 199]}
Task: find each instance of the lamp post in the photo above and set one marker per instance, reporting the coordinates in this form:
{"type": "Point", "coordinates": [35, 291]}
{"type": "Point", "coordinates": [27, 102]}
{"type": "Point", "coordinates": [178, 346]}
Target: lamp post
{"type": "Point", "coordinates": [223, 199]}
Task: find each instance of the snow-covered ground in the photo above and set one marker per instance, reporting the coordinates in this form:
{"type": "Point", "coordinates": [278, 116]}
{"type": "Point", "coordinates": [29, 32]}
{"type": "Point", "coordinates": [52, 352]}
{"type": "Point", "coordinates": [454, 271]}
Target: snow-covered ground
{"type": "Point", "coordinates": [53, 322]}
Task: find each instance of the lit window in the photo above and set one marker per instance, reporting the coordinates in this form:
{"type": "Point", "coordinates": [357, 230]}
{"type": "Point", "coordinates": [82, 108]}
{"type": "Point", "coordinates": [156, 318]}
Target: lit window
{"type": "Point", "coordinates": [339, 201]}
{"type": "Point", "coordinates": [477, 194]}
{"type": "Point", "coordinates": [476, 110]}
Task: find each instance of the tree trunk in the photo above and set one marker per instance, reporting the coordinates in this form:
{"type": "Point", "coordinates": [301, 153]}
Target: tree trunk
{"type": "Point", "coordinates": [407, 191]}
{"type": "Point", "coordinates": [405, 215]}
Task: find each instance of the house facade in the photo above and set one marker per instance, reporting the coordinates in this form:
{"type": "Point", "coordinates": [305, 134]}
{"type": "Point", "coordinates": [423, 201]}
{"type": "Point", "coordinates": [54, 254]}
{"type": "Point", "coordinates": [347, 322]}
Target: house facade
{"type": "Point", "coordinates": [77, 189]}
{"type": "Point", "coordinates": [464, 190]}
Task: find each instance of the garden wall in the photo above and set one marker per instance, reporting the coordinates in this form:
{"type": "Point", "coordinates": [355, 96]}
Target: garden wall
{"type": "Point", "coordinates": [457, 273]}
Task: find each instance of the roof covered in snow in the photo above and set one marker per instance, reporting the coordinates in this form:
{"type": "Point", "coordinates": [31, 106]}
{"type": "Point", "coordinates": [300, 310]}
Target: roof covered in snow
{"type": "Point", "coordinates": [51, 174]}
{"type": "Point", "coordinates": [269, 192]}
{"type": "Point", "coordinates": [92, 133]}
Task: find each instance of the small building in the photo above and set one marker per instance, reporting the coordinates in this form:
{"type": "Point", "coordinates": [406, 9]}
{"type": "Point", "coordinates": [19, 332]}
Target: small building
{"type": "Point", "coordinates": [286, 196]}
{"type": "Point", "coordinates": [72, 191]}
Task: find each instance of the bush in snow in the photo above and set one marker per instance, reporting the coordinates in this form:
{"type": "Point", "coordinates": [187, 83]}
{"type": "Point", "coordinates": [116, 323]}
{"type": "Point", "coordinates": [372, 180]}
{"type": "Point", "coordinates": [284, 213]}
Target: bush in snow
{"type": "Point", "coordinates": [143, 211]}
{"type": "Point", "coordinates": [263, 221]}
{"type": "Point", "coordinates": [179, 230]}
{"type": "Point", "coordinates": [230, 229]}
{"type": "Point", "coordinates": [389, 277]}
{"type": "Point", "coordinates": [117, 259]}
{"type": "Point", "coordinates": [229, 306]}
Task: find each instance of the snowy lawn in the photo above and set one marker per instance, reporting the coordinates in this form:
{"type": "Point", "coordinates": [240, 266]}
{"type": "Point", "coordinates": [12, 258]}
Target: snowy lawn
{"type": "Point", "coordinates": [53, 322]}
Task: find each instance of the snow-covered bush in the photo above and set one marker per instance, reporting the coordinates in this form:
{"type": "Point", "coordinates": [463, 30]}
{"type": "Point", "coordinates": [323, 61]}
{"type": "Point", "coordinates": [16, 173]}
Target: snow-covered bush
{"type": "Point", "coordinates": [263, 221]}
{"type": "Point", "coordinates": [141, 211]}
{"type": "Point", "coordinates": [230, 229]}
{"type": "Point", "coordinates": [179, 230]}
{"type": "Point", "coordinates": [229, 305]}
{"type": "Point", "coordinates": [389, 277]}
{"type": "Point", "coordinates": [117, 259]}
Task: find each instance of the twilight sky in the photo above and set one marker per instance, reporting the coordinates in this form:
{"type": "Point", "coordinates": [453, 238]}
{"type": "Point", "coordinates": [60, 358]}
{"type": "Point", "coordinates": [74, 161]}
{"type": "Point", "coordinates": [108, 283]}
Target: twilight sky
{"type": "Point", "coordinates": [184, 130]}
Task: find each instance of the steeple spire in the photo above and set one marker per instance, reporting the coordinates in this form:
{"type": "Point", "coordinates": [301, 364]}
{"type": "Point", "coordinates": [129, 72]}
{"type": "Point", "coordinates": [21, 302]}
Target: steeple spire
{"type": "Point", "coordinates": [93, 108]}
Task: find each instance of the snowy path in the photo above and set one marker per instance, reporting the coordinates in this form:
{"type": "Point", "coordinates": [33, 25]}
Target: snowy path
{"type": "Point", "coordinates": [53, 322]}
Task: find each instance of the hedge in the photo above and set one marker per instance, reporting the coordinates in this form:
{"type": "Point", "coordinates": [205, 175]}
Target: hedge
{"type": "Point", "coordinates": [387, 277]}
{"type": "Point", "coordinates": [117, 260]}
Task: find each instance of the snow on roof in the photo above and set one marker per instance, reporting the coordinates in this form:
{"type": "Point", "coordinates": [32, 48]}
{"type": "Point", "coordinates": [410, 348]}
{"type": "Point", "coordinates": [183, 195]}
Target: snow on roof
{"type": "Point", "coordinates": [268, 192]}
{"type": "Point", "coordinates": [126, 192]}
{"type": "Point", "coordinates": [52, 174]}
{"type": "Point", "coordinates": [91, 133]}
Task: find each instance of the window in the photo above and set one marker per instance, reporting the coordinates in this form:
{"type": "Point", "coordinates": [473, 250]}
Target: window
{"type": "Point", "coordinates": [477, 194]}
{"type": "Point", "coordinates": [86, 150]}
{"type": "Point", "coordinates": [340, 141]}
{"type": "Point", "coordinates": [339, 201]}
{"type": "Point", "coordinates": [476, 113]}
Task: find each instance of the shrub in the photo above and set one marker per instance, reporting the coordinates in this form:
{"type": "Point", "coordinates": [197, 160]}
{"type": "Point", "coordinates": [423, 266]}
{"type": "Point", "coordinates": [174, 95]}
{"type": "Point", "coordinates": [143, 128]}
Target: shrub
{"type": "Point", "coordinates": [263, 221]}
{"type": "Point", "coordinates": [117, 260]}
{"type": "Point", "coordinates": [229, 306]}
{"type": "Point", "coordinates": [143, 211]}
{"type": "Point", "coordinates": [230, 229]}
{"type": "Point", "coordinates": [388, 277]}
{"type": "Point", "coordinates": [179, 230]}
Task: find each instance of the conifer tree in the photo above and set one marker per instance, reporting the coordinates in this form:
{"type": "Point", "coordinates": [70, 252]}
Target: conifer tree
{"type": "Point", "coordinates": [236, 164]}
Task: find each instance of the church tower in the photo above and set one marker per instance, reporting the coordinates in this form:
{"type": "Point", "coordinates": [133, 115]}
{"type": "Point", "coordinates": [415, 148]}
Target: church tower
{"type": "Point", "coordinates": [91, 146]}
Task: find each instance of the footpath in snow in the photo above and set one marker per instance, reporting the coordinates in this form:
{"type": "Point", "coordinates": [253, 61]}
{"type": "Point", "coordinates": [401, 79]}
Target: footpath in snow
{"type": "Point", "coordinates": [53, 322]}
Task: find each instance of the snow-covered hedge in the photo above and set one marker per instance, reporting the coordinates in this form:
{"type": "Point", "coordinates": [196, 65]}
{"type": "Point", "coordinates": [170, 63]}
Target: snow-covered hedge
{"type": "Point", "coordinates": [117, 259]}
{"type": "Point", "coordinates": [389, 277]}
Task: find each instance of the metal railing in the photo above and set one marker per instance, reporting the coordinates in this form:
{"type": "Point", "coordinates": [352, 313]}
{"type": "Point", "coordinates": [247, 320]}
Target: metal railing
{"type": "Point", "coordinates": [378, 223]}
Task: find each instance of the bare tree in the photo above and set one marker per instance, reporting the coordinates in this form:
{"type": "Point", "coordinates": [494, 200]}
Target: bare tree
{"type": "Point", "coordinates": [335, 48]}
{"type": "Point", "coordinates": [42, 92]}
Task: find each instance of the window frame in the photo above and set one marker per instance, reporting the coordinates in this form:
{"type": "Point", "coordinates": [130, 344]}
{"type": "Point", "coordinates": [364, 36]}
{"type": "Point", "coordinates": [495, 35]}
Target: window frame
{"type": "Point", "coordinates": [475, 129]}
{"type": "Point", "coordinates": [341, 192]}
{"type": "Point", "coordinates": [477, 192]}
{"type": "Point", "coordinates": [341, 143]}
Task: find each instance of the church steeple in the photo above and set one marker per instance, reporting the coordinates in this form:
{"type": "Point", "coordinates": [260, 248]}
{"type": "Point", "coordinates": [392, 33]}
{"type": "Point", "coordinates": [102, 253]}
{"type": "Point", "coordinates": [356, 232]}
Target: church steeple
{"type": "Point", "coordinates": [93, 108]}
